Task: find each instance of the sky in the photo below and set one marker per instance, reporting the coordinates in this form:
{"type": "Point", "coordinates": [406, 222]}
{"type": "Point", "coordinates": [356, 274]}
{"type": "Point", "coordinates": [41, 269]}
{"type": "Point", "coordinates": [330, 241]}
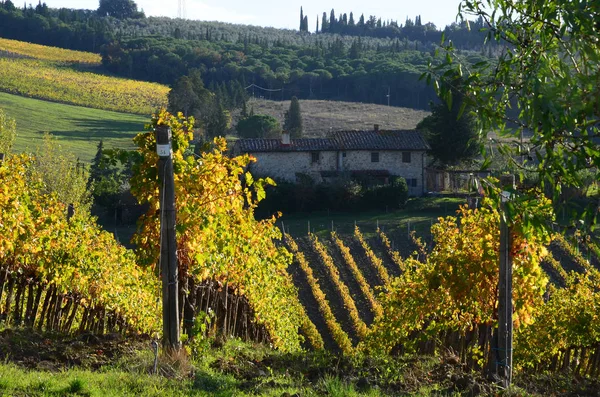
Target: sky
{"type": "Point", "coordinates": [286, 13]}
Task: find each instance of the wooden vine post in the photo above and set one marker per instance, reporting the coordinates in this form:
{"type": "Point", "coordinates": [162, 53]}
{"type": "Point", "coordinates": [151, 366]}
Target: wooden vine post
{"type": "Point", "coordinates": [168, 241]}
{"type": "Point", "coordinates": [505, 288]}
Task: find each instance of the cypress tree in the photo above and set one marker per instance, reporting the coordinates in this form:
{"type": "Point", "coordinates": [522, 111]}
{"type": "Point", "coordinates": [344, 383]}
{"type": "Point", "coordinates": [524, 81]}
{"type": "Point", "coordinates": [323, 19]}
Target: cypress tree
{"type": "Point", "coordinates": [301, 19]}
{"type": "Point", "coordinates": [317, 29]}
{"type": "Point", "coordinates": [324, 23]}
{"type": "Point", "coordinates": [332, 21]}
{"type": "Point", "coordinates": [293, 119]}
{"type": "Point", "coordinates": [351, 20]}
{"type": "Point", "coordinates": [361, 21]}
{"type": "Point", "coordinates": [305, 23]}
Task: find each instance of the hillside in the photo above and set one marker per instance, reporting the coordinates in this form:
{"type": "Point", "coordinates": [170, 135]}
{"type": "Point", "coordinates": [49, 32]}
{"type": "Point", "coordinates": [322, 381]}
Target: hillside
{"type": "Point", "coordinates": [28, 50]}
{"type": "Point", "coordinates": [78, 128]}
{"type": "Point", "coordinates": [54, 74]}
{"type": "Point", "coordinates": [319, 117]}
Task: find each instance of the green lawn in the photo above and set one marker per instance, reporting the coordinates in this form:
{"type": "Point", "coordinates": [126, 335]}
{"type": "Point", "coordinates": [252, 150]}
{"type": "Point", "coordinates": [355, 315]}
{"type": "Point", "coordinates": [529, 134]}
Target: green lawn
{"type": "Point", "coordinates": [79, 129]}
{"type": "Point", "coordinates": [418, 215]}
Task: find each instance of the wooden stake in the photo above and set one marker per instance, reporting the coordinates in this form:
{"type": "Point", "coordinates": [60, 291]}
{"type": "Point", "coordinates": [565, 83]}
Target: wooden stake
{"type": "Point", "coordinates": [168, 241]}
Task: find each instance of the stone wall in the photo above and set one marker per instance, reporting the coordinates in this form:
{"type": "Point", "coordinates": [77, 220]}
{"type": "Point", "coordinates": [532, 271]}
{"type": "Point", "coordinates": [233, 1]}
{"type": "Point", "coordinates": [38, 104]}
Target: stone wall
{"type": "Point", "coordinates": [285, 165]}
{"type": "Point", "coordinates": [390, 161]}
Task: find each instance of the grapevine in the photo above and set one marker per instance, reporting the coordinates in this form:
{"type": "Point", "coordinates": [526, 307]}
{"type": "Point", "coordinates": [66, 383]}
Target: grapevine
{"type": "Point", "coordinates": [359, 326]}
{"type": "Point", "coordinates": [340, 337]}
{"type": "Point", "coordinates": [46, 53]}
{"type": "Point", "coordinates": [218, 236]}
{"type": "Point", "coordinates": [395, 255]}
{"type": "Point", "coordinates": [71, 264]}
{"type": "Point", "coordinates": [364, 286]}
{"type": "Point", "coordinates": [53, 82]}
{"type": "Point", "coordinates": [375, 261]}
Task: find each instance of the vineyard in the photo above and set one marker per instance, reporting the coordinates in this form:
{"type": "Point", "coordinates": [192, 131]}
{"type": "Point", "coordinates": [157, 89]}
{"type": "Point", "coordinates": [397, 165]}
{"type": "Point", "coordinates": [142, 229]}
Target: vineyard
{"type": "Point", "coordinates": [344, 280]}
{"type": "Point", "coordinates": [52, 75]}
{"type": "Point", "coordinates": [28, 50]}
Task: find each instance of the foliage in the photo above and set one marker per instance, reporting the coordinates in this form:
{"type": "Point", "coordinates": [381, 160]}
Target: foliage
{"type": "Point", "coordinates": [120, 9]}
{"type": "Point", "coordinates": [74, 256]}
{"type": "Point", "coordinates": [293, 119]}
{"type": "Point", "coordinates": [62, 173]}
{"type": "Point", "coordinates": [547, 73]}
{"type": "Point", "coordinates": [211, 108]}
{"type": "Point", "coordinates": [46, 53]}
{"type": "Point", "coordinates": [259, 126]}
{"type": "Point", "coordinates": [342, 194]}
{"type": "Point", "coordinates": [8, 132]}
{"type": "Point", "coordinates": [456, 288]}
{"type": "Point", "coordinates": [106, 181]}
{"type": "Point", "coordinates": [451, 133]}
{"type": "Point", "coordinates": [218, 237]}
{"type": "Point", "coordinates": [567, 320]}
{"type": "Point", "coordinates": [55, 82]}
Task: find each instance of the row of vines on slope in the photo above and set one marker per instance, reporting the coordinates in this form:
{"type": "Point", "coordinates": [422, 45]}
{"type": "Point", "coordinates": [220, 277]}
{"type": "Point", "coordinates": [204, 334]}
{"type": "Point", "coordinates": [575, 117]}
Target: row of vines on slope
{"type": "Point", "coordinates": [338, 334]}
{"type": "Point", "coordinates": [60, 83]}
{"type": "Point", "coordinates": [358, 324]}
{"type": "Point", "coordinates": [362, 282]}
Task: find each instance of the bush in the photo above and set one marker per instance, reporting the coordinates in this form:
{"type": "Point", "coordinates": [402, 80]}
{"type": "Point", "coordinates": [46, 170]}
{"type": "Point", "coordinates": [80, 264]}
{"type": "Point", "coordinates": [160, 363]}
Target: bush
{"type": "Point", "coordinates": [345, 194]}
{"type": "Point", "coordinates": [259, 126]}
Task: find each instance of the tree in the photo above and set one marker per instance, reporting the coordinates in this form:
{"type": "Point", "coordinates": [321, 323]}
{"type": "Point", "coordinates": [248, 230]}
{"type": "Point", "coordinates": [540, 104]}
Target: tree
{"type": "Point", "coordinates": [452, 136]}
{"type": "Point", "coordinates": [361, 21]}
{"type": "Point", "coordinates": [120, 9]}
{"type": "Point", "coordinates": [332, 21]}
{"type": "Point", "coordinates": [9, 6]}
{"type": "Point", "coordinates": [259, 126]}
{"type": "Point", "coordinates": [301, 19]}
{"type": "Point", "coordinates": [293, 119]}
{"type": "Point", "coordinates": [547, 74]}
{"type": "Point", "coordinates": [8, 132]}
{"type": "Point", "coordinates": [324, 23]}
{"type": "Point", "coordinates": [351, 20]}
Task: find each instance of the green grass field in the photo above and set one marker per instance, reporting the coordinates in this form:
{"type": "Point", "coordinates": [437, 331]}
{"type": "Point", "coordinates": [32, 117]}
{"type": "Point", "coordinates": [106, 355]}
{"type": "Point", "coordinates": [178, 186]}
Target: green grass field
{"type": "Point", "coordinates": [418, 216]}
{"type": "Point", "coordinates": [79, 129]}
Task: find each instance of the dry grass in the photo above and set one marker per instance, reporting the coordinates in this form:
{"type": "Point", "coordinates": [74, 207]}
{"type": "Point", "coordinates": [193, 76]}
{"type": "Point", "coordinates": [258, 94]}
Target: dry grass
{"type": "Point", "coordinates": [320, 117]}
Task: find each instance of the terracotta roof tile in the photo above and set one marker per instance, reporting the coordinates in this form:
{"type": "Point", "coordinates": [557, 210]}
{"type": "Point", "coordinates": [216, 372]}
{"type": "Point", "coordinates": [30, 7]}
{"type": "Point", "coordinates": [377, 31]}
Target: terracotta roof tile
{"type": "Point", "coordinates": [341, 140]}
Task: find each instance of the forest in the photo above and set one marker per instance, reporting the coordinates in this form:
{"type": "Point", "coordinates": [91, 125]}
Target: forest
{"type": "Point", "coordinates": [370, 61]}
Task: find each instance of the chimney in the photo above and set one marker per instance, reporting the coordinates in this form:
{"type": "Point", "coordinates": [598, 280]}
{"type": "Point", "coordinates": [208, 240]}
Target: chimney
{"type": "Point", "coordinates": [285, 138]}
{"type": "Point", "coordinates": [375, 127]}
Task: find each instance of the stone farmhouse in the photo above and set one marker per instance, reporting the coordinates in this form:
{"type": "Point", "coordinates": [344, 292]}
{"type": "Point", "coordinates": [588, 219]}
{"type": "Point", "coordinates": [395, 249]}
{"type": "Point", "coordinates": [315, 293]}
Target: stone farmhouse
{"type": "Point", "coordinates": [377, 154]}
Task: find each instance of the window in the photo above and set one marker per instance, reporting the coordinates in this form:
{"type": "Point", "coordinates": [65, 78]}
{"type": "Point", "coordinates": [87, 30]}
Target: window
{"type": "Point", "coordinates": [314, 157]}
{"type": "Point", "coordinates": [411, 182]}
{"type": "Point", "coordinates": [406, 157]}
{"type": "Point", "coordinates": [343, 154]}
{"type": "Point", "coordinates": [375, 157]}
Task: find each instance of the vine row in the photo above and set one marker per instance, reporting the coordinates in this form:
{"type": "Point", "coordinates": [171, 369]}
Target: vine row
{"type": "Point", "coordinates": [340, 337]}
{"type": "Point", "coordinates": [362, 282]}
{"type": "Point", "coordinates": [359, 326]}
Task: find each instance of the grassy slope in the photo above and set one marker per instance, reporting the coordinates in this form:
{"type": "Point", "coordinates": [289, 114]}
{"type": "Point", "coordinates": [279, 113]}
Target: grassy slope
{"type": "Point", "coordinates": [319, 117]}
{"type": "Point", "coordinates": [79, 129]}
